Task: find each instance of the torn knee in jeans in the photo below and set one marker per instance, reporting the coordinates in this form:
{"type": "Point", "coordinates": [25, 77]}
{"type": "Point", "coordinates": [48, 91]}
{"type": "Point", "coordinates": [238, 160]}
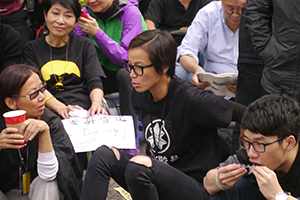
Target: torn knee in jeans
{"type": "Point", "coordinates": [116, 152]}
{"type": "Point", "coordinates": [142, 160]}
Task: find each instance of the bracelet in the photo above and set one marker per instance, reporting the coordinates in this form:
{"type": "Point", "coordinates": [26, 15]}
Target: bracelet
{"type": "Point", "coordinates": [48, 98]}
{"type": "Point", "coordinates": [98, 102]}
{"type": "Point", "coordinates": [217, 181]}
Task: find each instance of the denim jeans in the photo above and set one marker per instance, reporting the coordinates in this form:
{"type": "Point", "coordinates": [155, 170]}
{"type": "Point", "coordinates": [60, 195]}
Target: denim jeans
{"type": "Point", "coordinates": [160, 181]}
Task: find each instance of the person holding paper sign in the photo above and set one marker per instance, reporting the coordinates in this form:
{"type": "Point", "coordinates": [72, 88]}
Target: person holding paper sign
{"type": "Point", "coordinates": [180, 123]}
{"type": "Point", "coordinates": [215, 30]}
{"type": "Point", "coordinates": [48, 160]}
{"type": "Point", "coordinates": [68, 63]}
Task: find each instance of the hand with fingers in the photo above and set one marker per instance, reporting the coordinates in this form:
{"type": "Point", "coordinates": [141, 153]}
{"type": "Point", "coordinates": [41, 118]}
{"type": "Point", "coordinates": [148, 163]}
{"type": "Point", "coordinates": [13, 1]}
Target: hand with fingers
{"type": "Point", "coordinates": [64, 110]}
{"type": "Point", "coordinates": [31, 127]}
{"type": "Point", "coordinates": [96, 108]}
{"type": "Point", "coordinates": [223, 178]}
{"type": "Point", "coordinates": [88, 25]}
{"type": "Point", "coordinates": [11, 139]}
{"type": "Point", "coordinates": [230, 174]}
{"type": "Point", "coordinates": [267, 181]}
{"type": "Point", "coordinates": [200, 84]}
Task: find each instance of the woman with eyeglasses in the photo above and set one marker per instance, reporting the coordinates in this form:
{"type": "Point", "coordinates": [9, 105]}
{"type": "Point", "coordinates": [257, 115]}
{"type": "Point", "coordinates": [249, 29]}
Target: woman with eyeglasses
{"type": "Point", "coordinates": [48, 156]}
{"type": "Point", "coordinates": [179, 121]}
{"type": "Point", "coordinates": [68, 63]}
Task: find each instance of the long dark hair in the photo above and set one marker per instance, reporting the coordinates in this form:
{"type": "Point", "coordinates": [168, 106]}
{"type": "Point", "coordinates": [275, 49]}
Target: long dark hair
{"type": "Point", "coordinates": [12, 78]}
{"type": "Point", "coordinates": [161, 48]}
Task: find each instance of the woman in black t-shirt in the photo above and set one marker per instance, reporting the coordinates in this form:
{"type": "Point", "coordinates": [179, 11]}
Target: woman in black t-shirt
{"type": "Point", "coordinates": [179, 121]}
{"type": "Point", "coordinates": [68, 63]}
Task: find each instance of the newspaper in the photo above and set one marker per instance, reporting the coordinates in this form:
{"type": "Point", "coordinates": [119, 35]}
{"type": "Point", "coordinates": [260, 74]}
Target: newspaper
{"type": "Point", "coordinates": [218, 82]}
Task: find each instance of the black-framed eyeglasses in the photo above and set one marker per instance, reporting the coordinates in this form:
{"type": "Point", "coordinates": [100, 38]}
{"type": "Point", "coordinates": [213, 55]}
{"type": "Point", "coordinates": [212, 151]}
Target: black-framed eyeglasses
{"type": "Point", "coordinates": [258, 146]}
{"type": "Point", "coordinates": [230, 12]}
{"type": "Point", "coordinates": [138, 70]}
{"type": "Point", "coordinates": [34, 94]}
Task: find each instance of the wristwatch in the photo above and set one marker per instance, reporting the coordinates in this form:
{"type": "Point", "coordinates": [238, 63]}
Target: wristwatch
{"type": "Point", "coordinates": [281, 196]}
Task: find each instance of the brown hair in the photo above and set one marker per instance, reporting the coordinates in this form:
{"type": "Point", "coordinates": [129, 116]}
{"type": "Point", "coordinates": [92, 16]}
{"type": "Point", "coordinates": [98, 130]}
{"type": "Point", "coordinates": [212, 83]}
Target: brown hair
{"type": "Point", "coordinates": [12, 78]}
{"type": "Point", "coordinates": [161, 48]}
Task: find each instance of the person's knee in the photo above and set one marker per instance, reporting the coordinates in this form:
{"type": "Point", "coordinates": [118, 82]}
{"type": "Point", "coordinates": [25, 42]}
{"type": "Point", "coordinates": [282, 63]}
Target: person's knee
{"type": "Point", "coordinates": [138, 170]}
{"type": "Point", "coordinates": [142, 160]}
{"type": "Point", "coordinates": [116, 152]}
{"type": "Point", "coordinates": [103, 154]}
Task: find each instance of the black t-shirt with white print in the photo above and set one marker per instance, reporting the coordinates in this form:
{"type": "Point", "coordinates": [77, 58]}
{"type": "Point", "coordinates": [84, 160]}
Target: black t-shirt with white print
{"type": "Point", "coordinates": [186, 138]}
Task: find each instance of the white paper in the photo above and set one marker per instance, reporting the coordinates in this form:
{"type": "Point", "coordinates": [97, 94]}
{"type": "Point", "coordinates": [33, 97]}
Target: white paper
{"type": "Point", "coordinates": [87, 133]}
{"type": "Point", "coordinates": [218, 82]}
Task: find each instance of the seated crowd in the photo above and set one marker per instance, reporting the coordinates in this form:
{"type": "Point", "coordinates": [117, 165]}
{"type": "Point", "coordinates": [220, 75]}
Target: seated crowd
{"type": "Point", "coordinates": [111, 48]}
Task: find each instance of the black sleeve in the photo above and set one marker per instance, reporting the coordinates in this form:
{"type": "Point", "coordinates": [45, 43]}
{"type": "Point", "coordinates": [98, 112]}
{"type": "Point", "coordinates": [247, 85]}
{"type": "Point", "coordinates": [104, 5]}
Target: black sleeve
{"type": "Point", "coordinates": [258, 21]}
{"type": "Point", "coordinates": [69, 176]}
{"type": "Point", "coordinates": [92, 67]}
{"type": "Point", "coordinates": [11, 47]}
{"type": "Point", "coordinates": [238, 111]}
{"type": "Point", "coordinates": [28, 55]}
{"type": "Point", "coordinates": [93, 83]}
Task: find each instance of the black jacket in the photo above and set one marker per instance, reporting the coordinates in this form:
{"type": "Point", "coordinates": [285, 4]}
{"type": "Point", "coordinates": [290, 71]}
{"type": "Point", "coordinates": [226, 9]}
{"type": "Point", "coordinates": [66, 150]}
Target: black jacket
{"type": "Point", "coordinates": [275, 29]}
{"type": "Point", "coordinates": [69, 176]}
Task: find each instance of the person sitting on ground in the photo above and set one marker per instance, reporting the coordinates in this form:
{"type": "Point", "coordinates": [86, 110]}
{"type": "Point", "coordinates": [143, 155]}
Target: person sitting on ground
{"type": "Point", "coordinates": [270, 146]}
{"type": "Point", "coordinates": [11, 46]}
{"type": "Point", "coordinates": [179, 121]}
{"type": "Point", "coordinates": [173, 15]}
{"type": "Point", "coordinates": [48, 156]}
{"type": "Point", "coordinates": [68, 63]}
{"type": "Point", "coordinates": [111, 25]}
{"type": "Point", "coordinates": [215, 30]}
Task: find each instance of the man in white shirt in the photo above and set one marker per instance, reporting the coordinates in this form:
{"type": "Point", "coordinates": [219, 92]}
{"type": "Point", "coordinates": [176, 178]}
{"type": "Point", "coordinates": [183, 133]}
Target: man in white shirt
{"type": "Point", "coordinates": [215, 30]}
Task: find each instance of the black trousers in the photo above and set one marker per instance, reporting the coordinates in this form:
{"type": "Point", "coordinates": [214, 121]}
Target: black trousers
{"type": "Point", "coordinates": [248, 89]}
{"type": "Point", "coordinates": [160, 181]}
{"type": "Point", "coordinates": [120, 82]}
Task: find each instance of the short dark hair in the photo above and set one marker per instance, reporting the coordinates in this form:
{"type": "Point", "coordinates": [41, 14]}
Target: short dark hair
{"type": "Point", "coordinates": [73, 4]}
{"type": "Point", "coordinates": [273, 115]}
{"type": "Point", "coordinates": [12, 78]}
{"type": "Point", "coordinates": [161, 48]}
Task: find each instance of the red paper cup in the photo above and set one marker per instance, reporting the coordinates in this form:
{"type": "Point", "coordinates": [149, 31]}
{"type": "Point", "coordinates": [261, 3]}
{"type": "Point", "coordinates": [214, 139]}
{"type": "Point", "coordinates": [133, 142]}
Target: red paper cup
{"type": "Point", "coordinates": [15, 119]}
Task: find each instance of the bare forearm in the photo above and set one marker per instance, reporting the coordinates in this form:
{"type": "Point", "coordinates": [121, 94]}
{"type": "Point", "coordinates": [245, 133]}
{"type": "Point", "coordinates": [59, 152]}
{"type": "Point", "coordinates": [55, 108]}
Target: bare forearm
{"type": "Point", "coordinates": [190, 64]}
{"type": "Point", "coordinates": [96, 94]}
{"type": "Point", "coordinates": [150, 24]}
{"type": "Point", "coordinates": [45, 143]}
{"type": "Point", "coordinates": [210, 183]}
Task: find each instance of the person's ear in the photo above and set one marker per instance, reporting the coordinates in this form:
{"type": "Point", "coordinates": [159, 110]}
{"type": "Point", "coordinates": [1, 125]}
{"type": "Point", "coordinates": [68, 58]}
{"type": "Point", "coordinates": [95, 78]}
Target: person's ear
{"type": "Point", "coordinates": [291, 142]}
{"type": "Point", "coordinates": [45, 15]}
{"type": "Point", "coordinates": [165, 69]}
{"type": "Point", "coordinates": [12, 104]}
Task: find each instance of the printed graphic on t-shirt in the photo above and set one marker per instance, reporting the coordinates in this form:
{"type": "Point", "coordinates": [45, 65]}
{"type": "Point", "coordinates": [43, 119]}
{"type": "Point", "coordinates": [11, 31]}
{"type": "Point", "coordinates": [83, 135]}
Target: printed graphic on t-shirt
{"type": "Point", "coordinates": [157, 136]}
{"type": "Point", "coordinates": [59, 67]}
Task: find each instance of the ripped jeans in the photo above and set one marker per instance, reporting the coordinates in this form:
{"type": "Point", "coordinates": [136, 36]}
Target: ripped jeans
{"type": "Point", "coordinates": [160, 181]}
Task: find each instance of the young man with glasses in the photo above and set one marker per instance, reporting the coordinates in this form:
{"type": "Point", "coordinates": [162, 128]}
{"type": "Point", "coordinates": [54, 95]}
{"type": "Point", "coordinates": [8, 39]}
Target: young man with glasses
{"type": "Point", "coordinates": [267, 165]}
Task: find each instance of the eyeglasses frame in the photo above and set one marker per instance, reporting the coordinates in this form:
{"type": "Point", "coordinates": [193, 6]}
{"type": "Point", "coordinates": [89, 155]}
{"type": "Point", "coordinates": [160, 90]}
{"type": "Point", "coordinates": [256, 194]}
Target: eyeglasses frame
{"type": "Point", "coordinates": [37, 91]}
{"type": "Point", "coordinates": [230, 12]}
{"type": "Point", "coordinates": [251, 144]}
{"type": "Point", "coordinates": [126, 63]}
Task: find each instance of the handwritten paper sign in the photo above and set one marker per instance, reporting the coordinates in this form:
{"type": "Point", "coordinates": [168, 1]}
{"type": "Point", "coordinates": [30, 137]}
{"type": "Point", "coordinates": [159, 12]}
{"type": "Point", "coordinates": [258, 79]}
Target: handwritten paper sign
{"type": "Point", "coordinates": [87, 133]}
